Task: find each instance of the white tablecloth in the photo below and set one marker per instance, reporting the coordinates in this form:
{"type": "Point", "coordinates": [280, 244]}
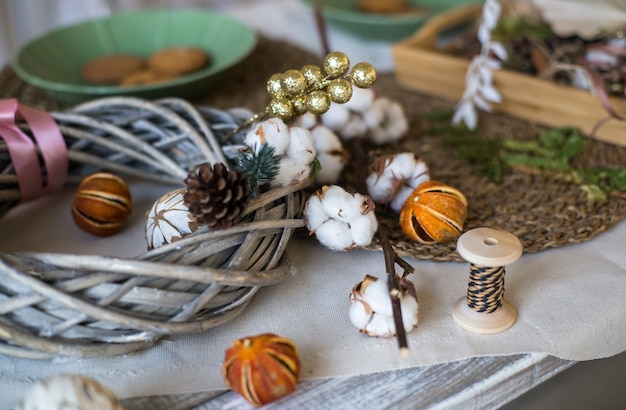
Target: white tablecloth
{"type": "Point", "coordinates": [571, 304]}
{"type": "Point", "coordinates": [571, 301]}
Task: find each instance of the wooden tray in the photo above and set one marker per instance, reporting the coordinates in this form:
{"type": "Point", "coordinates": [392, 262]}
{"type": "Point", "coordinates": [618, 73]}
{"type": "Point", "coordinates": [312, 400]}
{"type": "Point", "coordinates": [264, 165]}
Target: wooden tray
{"type": "Point", "coordinates": [422, 67]}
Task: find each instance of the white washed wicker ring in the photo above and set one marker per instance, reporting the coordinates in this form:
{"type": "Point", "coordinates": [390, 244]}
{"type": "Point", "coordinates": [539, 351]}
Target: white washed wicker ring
{"type": "Point", "coordinates": [87, 305]}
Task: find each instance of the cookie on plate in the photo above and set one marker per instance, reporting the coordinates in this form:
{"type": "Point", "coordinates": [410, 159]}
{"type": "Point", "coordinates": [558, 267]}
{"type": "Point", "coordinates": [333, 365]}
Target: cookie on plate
{"type": "Point", "coordinates": [383, 7]}
{"type": "Point", "coordinates": [178, 60]}
{"type": "Point", "coordinates": [145, 77]}
{"type": "Point", "coordinates": [110, 69]}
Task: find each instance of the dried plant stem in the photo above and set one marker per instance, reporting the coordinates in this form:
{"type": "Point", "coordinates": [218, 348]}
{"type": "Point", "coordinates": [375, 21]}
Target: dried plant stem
{"type": "Point", "coordinates": [321, 26]}
{"type": "Point", "coordinates": [394, 291]}
{"type": "Point", "coordinates": [260, 116]}
{"type": "Point", "coordinates": [391, 257]}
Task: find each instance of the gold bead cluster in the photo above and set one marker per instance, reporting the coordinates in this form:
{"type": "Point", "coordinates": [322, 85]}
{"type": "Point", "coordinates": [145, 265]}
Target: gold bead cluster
{"type": "Point", "coordinates": [312, 89]}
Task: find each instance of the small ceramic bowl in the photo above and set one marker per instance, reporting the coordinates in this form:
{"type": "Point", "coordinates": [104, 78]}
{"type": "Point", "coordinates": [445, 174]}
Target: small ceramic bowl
{"type": "Point", "coordinates": [345, 14]}
{"type": "Point", "coordinates": [54, 61]}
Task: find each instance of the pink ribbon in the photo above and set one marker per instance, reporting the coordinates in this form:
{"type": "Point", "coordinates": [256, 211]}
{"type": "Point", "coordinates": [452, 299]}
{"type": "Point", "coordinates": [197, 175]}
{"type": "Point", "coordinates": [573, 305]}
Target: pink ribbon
{"type": "Point", "coordinates": [23, 151]}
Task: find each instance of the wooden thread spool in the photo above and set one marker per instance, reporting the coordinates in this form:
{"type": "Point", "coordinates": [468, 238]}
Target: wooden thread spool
{"type": "Point", "coordinates": [484, 309]}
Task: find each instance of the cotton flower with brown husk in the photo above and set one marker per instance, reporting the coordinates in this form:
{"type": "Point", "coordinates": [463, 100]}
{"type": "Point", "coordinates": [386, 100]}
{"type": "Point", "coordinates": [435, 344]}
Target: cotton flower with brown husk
{"type": "Point", "coordinates": [340, 220]}
{"type": "Point", "coordinates": [292, 148]}
{"type": "Point", "coordinates": [394, 177]}
{"type": "Point", "coordinates": [371, 312]}
{"type": "Point", "coordinates": [367, 115]}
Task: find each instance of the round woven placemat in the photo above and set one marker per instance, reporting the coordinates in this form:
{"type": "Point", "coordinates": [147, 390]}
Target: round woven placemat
{"type": "Point", "coordinates": [542, 211]}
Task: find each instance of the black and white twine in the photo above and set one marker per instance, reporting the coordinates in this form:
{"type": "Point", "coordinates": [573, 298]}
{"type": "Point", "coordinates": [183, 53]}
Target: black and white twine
{"type": "Point", "coordinates": [485, 291]}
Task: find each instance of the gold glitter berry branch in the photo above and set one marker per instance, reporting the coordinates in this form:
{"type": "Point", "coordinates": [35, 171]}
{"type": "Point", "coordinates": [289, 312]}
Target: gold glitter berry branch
{"type": "Point", "coordinates": [312, 89]}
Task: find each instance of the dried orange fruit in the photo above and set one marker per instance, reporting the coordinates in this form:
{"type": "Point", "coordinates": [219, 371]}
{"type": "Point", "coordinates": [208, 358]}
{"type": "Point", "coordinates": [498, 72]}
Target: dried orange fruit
{"type": "Point", "coordinates": [102, 204]}
{"type": "Point", "coordinates": [434, 212]}
{"type": "Point", "coordinates": [262, 368]}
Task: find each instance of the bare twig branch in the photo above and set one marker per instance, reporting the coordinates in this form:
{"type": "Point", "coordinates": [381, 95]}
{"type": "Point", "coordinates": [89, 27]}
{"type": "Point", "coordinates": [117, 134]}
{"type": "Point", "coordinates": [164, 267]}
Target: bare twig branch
{"type": "Point", "coordinates": [394, 291]}
{"type": "Point", "coordinates": [391, 257]}
{"type": "Point", "coordinates": [321, 26]}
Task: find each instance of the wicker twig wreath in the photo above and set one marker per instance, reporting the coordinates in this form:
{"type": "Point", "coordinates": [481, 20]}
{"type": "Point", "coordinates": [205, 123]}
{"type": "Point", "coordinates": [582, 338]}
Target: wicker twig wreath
{"type": "Point", "coordinates": [84, 306]}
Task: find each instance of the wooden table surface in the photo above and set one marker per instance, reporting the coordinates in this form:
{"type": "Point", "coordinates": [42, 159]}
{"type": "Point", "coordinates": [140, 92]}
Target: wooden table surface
{"type": "Point", "coordinates": [481, 382]}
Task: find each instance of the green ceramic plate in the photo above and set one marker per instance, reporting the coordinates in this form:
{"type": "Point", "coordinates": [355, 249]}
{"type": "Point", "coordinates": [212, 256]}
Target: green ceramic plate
{"type": "Point", "coordinates": [344, 14]}
{"type": "Point", "coordinates": [54, 62]}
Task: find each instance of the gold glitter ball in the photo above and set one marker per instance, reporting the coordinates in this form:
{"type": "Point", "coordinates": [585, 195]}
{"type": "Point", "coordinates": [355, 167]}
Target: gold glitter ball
{"type": "Point", "coordinates": [281, 108]}
{"type": "Point", "coordinates": [275, 87]}
{"type": "Point", "coordinates": [314, 76]}
{"type": "Point", "coordinates": [363, 75]}
{"type": "Point", "coordinates": [299, 106]}
{"type": "Point", "coordinates": [336, 64]}
{"type": "Point", "coordinates": [340, 90]}
{"type": "Point", "coordinates": [317, 102]}
{"type": "Point", "coordinates": [293, 82]}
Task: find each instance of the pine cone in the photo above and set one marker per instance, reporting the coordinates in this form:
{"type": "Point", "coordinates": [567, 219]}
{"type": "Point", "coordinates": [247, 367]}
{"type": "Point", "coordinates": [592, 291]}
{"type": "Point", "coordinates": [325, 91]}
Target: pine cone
{"type": "Point", "coordinates": [215, 196]}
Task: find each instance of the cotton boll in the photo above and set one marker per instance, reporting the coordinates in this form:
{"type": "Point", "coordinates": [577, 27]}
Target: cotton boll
{"type": "Point", "coordinates": [394, 177]}
{"type": "Point", "coordinates": [336, 117]}
{"type": "Point", "coordinates": [386, 120]}
{"type": "Point", "coordinates": [325, 139]}
{"type": "Point", "coordinates": [335, 235]}
{"type": "Point", "coordinates": [70, 392]}
{"type": "Point", "coordinates": [384, 325]}
{"type": "Point", "coordinates": [402, 165]}
{"type": "Point", "coordinates": [314, 214]}
{"type": "Point", "coordinates": [332, 193]}
{"type": "Point", "coordinates": [381, 325]}
{"type": "Point", "coordinates": [253, 140]}
{"type": "Point", "coordinates": [400, 198]}
{"type": "Point", "coordinates": [366, 302]}
{"type": "Point", "coordinates": [330, 153]}
{"type": "Point", "coordinates": [380, 188]}
{"type": "Point", "coordinates": [388, 175]}
{"type": "Point", "coordinates": [412, 169]}
{"type": "Point", "coordinates": [378, 136]}
{"type": "Point", "coordinates": [420, 174]}
{"type": "Point", "coordinates": [290, 172]}
{"type": "Point", "coordinates": [343, 210]}
{"type": "Point", "coordinates": [396, 123]}
{"type": "Point", "coordinates": [340, 204]}
{"type": "Point", "coordinates": [301, 145]}
{"type": "Point", "coordinates": [306, 120]}
{"type": "Point", "coordinates": [273, 132]}
{"type": "Point", "coordinates": [354, 206]}
{"type": "Point", "coordinates": [365, 114]}
{"type": "Point", "coordinates": [377, 296]}
{"type": "Point", "coordinates": [371, 308]}
{"type": "Point", "coordinates": [409, 308]}
{"type": "Point", "coordinates": [332, 165]}
{"type": "Point", "coordinates": [363, 229]}
{"type": "Point", "coordinates": [359, 312]}
{"type": "Point", "coordinates": [364, 202]}
{"type": "Point", "coordinates": [375, 113]}
{"type": "Point", "coordinates": [362, 99]}
{"type": "Point", "coordinates": [354, 128]}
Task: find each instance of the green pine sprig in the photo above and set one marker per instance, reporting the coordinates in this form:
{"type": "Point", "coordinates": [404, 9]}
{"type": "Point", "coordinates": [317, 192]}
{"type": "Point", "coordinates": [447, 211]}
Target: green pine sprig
{"type": "Point", "coordinates": [316, 167]}
{"type": "Point", "coordinates": [553, 152]}
{"type": "Point", "coordinates": [259, 167]}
